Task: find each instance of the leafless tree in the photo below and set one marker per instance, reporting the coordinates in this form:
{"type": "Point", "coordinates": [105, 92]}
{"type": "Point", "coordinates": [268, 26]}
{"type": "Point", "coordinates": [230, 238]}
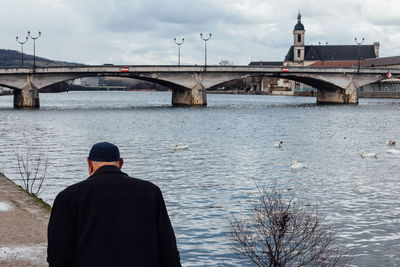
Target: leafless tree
{"type": "Point", "coordinates": [225, 62]}
{"type": "Point", "coordinates": [279, 233]}
{"type": "Point", "coordinates": [32, 168]}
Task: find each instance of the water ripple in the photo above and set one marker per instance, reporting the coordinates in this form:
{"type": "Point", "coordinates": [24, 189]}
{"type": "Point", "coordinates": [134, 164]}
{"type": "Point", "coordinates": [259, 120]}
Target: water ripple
{"type": "Point", "coordinates": [230, 148]}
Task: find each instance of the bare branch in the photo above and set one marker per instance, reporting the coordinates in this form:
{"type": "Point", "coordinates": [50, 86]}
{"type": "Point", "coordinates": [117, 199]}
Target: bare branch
{"type": "Point", "coordinates": [280, 233]}
{"type": "Point", "coordinates": [32, 169]}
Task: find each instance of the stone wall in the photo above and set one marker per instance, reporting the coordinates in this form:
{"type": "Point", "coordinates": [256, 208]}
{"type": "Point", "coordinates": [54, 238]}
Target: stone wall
{"type": "Point", "coordinates": [379, 94]}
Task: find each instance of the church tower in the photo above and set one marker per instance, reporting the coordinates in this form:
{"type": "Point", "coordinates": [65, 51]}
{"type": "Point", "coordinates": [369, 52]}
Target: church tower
{"type": "Point", "coordinates": [298, 44]}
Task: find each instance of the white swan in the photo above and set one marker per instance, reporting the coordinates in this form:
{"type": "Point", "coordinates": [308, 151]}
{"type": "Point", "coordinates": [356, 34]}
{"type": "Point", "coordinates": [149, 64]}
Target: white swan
{"type": "Point", "coordinates": [278, 144]}
{"type": "Point", "coordinates": [391, 143]}
{"type": "Point", "coordinates": [297, 165]}
{"type": "Point", "coordinates": [181, 146]}
{"type": "Point", "coordinates": [393, 151]}
{"type": "Point", "coordinates": [371, 155]}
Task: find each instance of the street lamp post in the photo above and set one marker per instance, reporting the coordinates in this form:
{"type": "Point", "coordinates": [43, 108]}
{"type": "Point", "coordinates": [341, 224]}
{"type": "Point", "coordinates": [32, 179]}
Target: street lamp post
{"type": "Point", "coordinates": [34, 47]}
{"type": "Point", "coordinates": [22, 49]}
{"type": "Point", "coordinates": [359, 52]}
{"type": "Point", "coordinates": [179, 49]}
{"type": "Point", "coordinates": [205, 47]}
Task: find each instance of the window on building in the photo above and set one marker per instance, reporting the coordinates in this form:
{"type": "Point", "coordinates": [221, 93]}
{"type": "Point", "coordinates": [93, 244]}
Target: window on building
{"type": "Point", "coordinates": [298, 52]}
{"type": "Point", "coordinates": [297, 86]}
{"type": "Point", "coordinates": [299, 38]}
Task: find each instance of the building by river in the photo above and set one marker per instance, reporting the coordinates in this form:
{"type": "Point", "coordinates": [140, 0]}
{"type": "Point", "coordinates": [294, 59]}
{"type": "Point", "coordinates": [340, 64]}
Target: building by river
{"type": "Point", "coordinates": [325, 55]}
{"type": "Point", "coordinates": [5, 91]}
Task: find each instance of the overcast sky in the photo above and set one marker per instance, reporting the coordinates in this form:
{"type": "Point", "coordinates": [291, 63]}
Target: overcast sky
{"type": "Point", "coordinates": [143, 31]}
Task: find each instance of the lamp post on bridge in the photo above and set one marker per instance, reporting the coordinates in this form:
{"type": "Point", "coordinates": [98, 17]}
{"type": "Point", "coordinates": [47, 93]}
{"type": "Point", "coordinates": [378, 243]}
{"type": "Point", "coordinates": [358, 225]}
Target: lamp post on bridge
{"type": "Point", "coordinates": [34, 47]}
{"type": "Point", "coordinates": [22, 49]}
{"type": "Point", "coordinates": [179, 49]}
{"type": "Point", "coordinates": [205, 47]}
{"type": "Point", "coordinates": [359, 52]}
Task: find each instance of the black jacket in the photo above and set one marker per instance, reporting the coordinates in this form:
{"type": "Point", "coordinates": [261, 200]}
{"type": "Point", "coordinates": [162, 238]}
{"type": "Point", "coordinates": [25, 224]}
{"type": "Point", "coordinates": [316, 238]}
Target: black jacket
{"type": "Point", "coordinates": [111, 219]}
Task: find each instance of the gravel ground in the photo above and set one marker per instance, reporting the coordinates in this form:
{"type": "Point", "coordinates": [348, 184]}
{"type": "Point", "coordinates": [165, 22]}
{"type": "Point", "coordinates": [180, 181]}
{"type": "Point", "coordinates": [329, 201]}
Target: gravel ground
{"type": "Point", "coordinates": [23, 227]}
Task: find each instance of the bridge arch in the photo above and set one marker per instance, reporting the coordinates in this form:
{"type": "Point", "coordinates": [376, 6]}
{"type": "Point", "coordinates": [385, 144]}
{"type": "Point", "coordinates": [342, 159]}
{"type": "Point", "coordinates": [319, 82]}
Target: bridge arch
{"type": "Point", "coordinates": [382, 78]}
{"type": "Point", "coordinates": [8, 86]}
{"type": "Point", "coordinates": [50, 81]}
{"type": "Point", "coordinates": [311, 81]}
{"type": "Point", "coordinates": [181, 95]}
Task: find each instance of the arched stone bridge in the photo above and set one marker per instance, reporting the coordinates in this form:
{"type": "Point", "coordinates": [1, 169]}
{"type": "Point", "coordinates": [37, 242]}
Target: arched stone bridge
{"type": "Point", "coordinates": [189, 83]}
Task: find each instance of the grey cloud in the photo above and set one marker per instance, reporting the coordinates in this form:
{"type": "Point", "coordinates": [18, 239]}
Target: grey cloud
{"type": "Point", "coordinates": [139, 31]}
{"type": "Point", "coordinates": [136, 16]}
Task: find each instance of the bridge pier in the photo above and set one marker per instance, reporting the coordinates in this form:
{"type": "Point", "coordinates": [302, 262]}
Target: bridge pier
{"type": "Point", "coordinates": [189, 97]}
{"type": "Point", "coordinates": [27, 96]}
{"type": "Point", "coordinates": [349, 95]}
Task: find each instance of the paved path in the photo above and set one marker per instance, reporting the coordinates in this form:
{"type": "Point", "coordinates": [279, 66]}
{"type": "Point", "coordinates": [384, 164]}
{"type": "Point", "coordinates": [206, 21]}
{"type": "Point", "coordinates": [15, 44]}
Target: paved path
{"type": "Point", "coordinates": [23, 227]}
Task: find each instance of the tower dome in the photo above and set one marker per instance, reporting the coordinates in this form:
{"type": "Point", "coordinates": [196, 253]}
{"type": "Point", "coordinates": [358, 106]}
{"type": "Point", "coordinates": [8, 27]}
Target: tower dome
{"type": "Point", "coordinates": [299, 26]}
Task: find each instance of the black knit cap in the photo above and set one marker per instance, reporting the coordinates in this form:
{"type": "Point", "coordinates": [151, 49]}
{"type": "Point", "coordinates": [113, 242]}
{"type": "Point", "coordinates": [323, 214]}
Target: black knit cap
{"type": "Point", "coordinates": [104, 152]}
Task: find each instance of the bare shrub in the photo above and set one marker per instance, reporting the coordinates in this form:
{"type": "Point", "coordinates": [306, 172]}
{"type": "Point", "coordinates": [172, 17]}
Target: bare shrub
{"type": "Point", "coordinates": [32, 167]}
{"type": "Point", "coordinates": [280, 233]}
{"type": "Point", "coordinates": [225, 62]}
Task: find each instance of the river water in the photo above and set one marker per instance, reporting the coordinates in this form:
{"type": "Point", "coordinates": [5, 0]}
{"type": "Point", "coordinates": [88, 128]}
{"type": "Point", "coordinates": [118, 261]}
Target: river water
{"type": "Point", "coordinates": [230, 149]}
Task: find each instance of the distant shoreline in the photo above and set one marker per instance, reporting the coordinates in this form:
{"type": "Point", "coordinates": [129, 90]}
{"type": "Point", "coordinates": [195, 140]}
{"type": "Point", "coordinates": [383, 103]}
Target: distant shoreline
{"type": "Point", "coordinates": [394, 95]}
{"type": "Point", "coordinates": [6, 93]}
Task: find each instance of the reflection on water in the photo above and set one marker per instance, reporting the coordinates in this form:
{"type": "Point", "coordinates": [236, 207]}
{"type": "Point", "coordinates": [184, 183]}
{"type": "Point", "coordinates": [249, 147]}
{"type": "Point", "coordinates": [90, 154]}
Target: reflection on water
{"type": "Point", "coordinates": [230, 145]}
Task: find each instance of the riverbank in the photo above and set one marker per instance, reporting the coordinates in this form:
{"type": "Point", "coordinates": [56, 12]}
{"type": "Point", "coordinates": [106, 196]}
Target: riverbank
{"type": "Point", "coordinates": [237, 92]}
{"type": "Point", "coordinates": [379, 94]}
{"type": "Point", "coordinates": [6, 93]}
{"type": "Point", "coordinates": [243, 92]}
{"type": "Point", "coordinates": [362, 94]}
{"type": "Point", "coordinates": [23, 226]}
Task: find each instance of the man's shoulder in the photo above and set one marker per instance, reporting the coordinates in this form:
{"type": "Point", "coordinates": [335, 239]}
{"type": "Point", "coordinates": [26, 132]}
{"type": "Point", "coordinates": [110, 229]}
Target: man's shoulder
{"type": "Point", "coordinates": [71, 189]}
{"type": "Point", "coordinates": [79, 188]}
{"type": "Point", "coordinates": [143, 186]}
{"type": "Point", "coordinates": [118, 177]}
{"type": "Point", "coordinates": [142, 182]}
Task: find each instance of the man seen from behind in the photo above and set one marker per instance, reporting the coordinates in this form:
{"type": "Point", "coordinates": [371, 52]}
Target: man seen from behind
{"type": "Point", "coordinates": [110, 219]}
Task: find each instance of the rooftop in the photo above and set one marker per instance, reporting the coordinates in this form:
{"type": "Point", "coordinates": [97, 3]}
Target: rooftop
{"type": "Point", "coordinates": [334, 52]}
{"type": "Point", "coordinates": [383, 61]}
{"type": "Point", "coordinates": [335, 63]}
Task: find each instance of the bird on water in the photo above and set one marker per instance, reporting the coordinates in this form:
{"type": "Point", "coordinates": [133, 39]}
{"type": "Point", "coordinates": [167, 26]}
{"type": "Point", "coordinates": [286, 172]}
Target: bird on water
{"type": "Point", "coordinates": [297, 165]}
{"type": "Point", "coordinates": [363, 154]}
{"type": "Point", "coordinates": [278, 144]}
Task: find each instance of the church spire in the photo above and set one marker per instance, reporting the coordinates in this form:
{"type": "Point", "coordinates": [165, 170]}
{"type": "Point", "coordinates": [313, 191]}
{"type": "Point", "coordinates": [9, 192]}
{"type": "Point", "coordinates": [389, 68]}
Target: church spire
{"type": "Point", "coordinates": [299, 25]}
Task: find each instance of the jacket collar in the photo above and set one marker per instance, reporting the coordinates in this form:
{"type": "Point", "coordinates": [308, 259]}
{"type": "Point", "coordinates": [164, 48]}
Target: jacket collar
{"type": "Point", "coordinates": [107, 169]}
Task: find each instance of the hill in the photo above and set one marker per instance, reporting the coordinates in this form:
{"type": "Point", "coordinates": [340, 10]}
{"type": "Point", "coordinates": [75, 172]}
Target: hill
{"type": "Point", "coordinates": [12, 58]}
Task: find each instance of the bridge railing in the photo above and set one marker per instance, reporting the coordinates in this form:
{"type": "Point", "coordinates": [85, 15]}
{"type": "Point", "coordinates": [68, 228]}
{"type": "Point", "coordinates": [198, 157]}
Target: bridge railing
{"type": "Point", "coordinates": [193, 69]}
